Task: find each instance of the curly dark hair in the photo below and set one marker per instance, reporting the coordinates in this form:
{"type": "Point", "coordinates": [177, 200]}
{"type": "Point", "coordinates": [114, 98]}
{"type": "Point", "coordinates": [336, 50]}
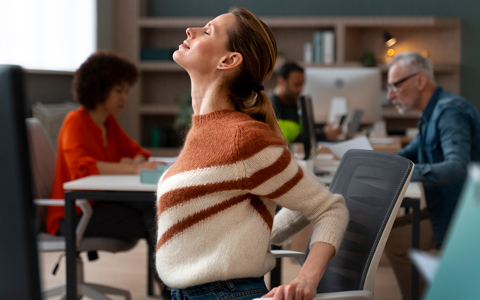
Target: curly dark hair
{"type": "Point", "coordinates": [98, 75]}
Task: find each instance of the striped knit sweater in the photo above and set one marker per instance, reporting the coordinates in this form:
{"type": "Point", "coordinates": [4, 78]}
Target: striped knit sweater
{"type": "Point", "coordinates": [217, 203]}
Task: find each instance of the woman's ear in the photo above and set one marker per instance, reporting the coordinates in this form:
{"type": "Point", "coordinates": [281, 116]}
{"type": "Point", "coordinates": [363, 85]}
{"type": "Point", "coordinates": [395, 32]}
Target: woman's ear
{"type": "Point", "coordinates": [231, 61]}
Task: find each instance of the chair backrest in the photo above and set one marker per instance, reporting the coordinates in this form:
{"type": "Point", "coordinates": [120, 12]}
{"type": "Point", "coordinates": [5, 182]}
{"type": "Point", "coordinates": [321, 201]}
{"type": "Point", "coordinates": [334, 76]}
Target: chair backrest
{"type": "Point", "coordinates": [42, 158]}
{"type": "Point", "coordinates": [373, 184]}
{"type": "Point", "coordinates": [42, 161]}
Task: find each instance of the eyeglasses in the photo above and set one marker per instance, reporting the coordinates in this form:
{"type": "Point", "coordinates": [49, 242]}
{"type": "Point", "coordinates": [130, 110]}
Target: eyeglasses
{"type": "Point", "coordinates": [394, 85]}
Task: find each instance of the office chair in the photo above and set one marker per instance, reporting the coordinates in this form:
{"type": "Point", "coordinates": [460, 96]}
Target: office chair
{"type": "Point", "coordinates": [43, 171]}
{"type": "Point", "coordinates": [373, 184]}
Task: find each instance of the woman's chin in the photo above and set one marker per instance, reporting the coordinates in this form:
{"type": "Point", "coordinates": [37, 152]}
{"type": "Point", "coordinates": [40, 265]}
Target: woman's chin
{"type": "Point", "coordinates": [176, 57]}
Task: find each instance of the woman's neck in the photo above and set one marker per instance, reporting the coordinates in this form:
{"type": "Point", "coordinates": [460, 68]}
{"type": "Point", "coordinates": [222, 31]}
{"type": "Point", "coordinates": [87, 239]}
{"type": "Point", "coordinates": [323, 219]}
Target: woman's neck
{"type": "Point", "coordinates": [208, 96]}
{"type": "Point", "coordinates": [99, 116]}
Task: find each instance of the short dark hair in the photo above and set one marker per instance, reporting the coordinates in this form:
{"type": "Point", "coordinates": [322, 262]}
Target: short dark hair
{"type": "Point", "coordinates": [288, 68]}
{"type": "Point", "coordinates": [98, 75]}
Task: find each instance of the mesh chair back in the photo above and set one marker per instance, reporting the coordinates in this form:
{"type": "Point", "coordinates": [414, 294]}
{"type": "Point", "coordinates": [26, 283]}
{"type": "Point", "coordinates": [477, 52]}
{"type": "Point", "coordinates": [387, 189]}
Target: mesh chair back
{"type": "Point", "coordinates": [371, 183]}
{"type": "Point", "coordinates": [42, 157]}
{"type": "Point", "coordinates": [42, 160]}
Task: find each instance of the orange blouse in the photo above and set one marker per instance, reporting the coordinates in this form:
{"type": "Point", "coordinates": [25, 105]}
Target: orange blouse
{"type": "Point", "coordinates": [80, 146]}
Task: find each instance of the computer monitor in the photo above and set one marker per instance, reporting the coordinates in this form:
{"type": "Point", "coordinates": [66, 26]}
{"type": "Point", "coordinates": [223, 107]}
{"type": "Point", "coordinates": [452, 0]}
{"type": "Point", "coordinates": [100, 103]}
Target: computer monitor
{"type": "Point", "coordinates": [308, 131]}
{"type": "Point", "coordinates": [19, 274]}
{"type": "Point", "coordinates": [360, 87]}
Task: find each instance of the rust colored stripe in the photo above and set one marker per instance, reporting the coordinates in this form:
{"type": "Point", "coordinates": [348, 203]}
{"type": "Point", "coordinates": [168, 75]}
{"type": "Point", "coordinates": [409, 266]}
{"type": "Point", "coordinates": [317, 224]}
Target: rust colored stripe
{"type": "Point", "coordinates": [287, 186]}
{"type": "Point", "coordinates": [181, 195]}
{"type": "Point", "coordinates": [198, 217]}
{"type": "Point", "coordinates": [262, 210]}
{"type": "Point", "coordinates": [265, 174]}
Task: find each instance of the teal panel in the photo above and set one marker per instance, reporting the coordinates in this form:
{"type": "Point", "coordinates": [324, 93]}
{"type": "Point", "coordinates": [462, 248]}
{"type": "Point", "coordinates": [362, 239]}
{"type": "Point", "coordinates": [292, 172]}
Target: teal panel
{"type": "Point", "coordinates": [459, 269]}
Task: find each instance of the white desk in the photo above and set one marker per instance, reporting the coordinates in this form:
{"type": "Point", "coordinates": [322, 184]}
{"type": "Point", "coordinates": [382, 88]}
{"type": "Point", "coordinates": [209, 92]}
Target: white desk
{"type": "Point", "coordinates": [129, 188]}
{"type": "Point", "coordinates": [126, 183]}
{"type": "Point", "coordinates": [131, 183]}
{"type": "Point", "coordinates": [103, 188]}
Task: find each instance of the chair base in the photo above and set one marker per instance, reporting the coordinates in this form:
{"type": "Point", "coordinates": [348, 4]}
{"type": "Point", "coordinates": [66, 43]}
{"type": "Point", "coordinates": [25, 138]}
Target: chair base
{"type": "Point", "coordinates": [91, 290]}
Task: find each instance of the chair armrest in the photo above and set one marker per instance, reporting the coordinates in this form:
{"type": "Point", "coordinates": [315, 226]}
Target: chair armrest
{"type": "Point", "coordinates": [85, 207]}
{"type": "Point", "coordinates": [299, 257]}
{"type": "Point", "coordinates": [350, 295]}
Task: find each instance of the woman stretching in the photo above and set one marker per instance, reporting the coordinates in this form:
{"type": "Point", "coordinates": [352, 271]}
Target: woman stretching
{"type": "Point", "coordinates": [216, 204]}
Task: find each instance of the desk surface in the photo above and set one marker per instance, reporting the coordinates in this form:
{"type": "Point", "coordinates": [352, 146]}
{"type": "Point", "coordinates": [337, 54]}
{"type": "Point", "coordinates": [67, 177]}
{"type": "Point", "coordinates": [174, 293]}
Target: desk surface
{"type": "Point", "coordinates": [125, 183]}
{"type": "Point", "coordinates": [131, 183]}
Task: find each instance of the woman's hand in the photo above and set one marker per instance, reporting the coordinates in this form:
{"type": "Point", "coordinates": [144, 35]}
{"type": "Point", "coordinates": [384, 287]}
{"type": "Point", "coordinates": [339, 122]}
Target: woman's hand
{"type": "Point", "coordinates": [304, 287]}
{"type": "Point", "coordinates": [127, 166]}
{"type": "Point", "coordinates": [126, 160]}
{"type": "Point", "coordinates": [298, 289]}
{"type": "Point", "coordinates": [152, 165]}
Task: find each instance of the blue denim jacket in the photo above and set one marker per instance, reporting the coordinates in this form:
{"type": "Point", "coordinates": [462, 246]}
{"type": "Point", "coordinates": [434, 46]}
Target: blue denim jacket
{"type": "Point", "coordinates": [448, 139]}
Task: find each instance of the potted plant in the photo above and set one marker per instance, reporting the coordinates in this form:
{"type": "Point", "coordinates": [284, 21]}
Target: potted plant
{"type": "Point", "coordinates": [183, 118]}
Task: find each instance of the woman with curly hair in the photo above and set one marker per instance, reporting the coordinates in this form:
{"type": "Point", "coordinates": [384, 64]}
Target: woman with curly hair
{"type": "Point", "coordinates": [92, 142]}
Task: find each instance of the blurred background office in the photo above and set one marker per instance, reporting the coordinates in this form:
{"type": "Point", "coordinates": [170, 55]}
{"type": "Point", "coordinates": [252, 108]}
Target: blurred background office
{"type": "Point", "coordinates": [147, 31]}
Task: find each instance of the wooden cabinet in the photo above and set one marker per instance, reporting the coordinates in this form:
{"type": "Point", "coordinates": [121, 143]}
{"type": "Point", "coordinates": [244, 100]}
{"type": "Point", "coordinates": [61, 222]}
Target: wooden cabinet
{"type": "Point", "coordinates": [152, 101]}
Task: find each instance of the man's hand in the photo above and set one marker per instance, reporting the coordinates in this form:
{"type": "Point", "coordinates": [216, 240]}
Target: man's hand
{"type": "Point", "coordinates": [332, 131]}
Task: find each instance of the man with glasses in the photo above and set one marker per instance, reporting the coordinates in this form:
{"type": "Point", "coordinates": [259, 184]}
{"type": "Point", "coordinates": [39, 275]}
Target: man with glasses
{"type": "Point", "coordinates": [448, 139]}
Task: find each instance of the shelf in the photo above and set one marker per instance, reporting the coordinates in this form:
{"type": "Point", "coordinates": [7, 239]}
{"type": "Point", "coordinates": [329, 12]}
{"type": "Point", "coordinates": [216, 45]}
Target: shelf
{"type": "Point", "coordinates": [162, 81]}
{"type": "Point", "coordinates": [308, 22]}
{"type": "Point", "coordinates": [158, 109]}
{"type": "Point", "coordinates": [153, 66]}
{"type": "Point", "coordinates": [437, 68]}
{"type": "Point", "coordinates": [164, 151]}
{"type": "Point", "coordinates": [48, 72]}
{"type": "Point", "coordinates": [172, 22]}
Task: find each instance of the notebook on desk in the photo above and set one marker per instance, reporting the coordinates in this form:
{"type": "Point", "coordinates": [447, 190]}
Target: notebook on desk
{"type": "Point", "coordinates": [456, 273]}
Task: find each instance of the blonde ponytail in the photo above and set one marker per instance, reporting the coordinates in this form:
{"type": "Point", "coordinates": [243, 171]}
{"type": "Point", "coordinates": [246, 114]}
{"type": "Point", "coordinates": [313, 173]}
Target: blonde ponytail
{"type": "Point", "coordinates": [255, 41]}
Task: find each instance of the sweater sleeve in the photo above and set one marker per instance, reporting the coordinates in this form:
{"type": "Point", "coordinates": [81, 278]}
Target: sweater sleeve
{"type": "Point", "coordinates": [274, 175]}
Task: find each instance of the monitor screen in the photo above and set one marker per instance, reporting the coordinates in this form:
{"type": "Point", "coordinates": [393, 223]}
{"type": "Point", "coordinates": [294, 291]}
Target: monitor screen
{"type": "Point", "coordinates": [360, 87]}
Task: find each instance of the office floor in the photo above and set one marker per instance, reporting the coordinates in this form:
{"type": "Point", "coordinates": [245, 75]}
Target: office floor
{"type": "Point", "coordinates": [127, 270]}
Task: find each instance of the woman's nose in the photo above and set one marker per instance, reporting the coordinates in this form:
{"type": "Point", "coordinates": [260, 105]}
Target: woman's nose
{"type": "Point", "coordinates": [189, 32]}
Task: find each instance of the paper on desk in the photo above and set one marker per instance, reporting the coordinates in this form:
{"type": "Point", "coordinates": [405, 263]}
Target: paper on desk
{"type": "Point", "coordinates": [167, 160]}
{"type": "Point", "coordinates": [358, 143]}
{"type": "Point", "coordinates": [426, 263]}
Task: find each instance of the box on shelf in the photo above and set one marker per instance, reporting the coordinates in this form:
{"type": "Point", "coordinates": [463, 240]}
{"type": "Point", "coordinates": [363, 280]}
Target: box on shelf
{"type": "Point", "coordinates": [156, 54]}
{"type": "Point", "coordinates": [152, 176]}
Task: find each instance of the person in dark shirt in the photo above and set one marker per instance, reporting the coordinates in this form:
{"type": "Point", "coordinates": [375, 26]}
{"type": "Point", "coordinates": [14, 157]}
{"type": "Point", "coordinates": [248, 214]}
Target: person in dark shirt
{"type": "Point", "coordinates": [448, 140]}
{"type": "Point", "coordinates": [285, 97]}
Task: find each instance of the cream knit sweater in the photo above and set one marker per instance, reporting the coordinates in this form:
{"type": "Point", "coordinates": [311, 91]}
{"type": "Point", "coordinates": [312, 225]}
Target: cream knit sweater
{"type": "Point", "coordinates": [216, 204]}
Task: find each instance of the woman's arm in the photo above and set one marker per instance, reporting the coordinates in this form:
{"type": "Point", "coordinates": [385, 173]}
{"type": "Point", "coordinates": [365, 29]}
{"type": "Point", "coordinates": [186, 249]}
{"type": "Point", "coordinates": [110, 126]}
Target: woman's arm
{"type": "Point", "coordinates": [304, 286]}
{"type": "Point", "coordinates": [126, 167]}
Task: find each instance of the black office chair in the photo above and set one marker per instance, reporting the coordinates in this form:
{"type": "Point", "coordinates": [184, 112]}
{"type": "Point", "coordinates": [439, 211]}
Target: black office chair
{"type": "Point", "coordinates": [373, 184]}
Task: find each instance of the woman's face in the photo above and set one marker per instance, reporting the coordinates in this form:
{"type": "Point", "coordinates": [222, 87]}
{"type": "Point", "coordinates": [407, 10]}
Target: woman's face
{"type": "Point", "coordinates": [116, 99]}
{"type": "Point", "coordinates": [205, 47]}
